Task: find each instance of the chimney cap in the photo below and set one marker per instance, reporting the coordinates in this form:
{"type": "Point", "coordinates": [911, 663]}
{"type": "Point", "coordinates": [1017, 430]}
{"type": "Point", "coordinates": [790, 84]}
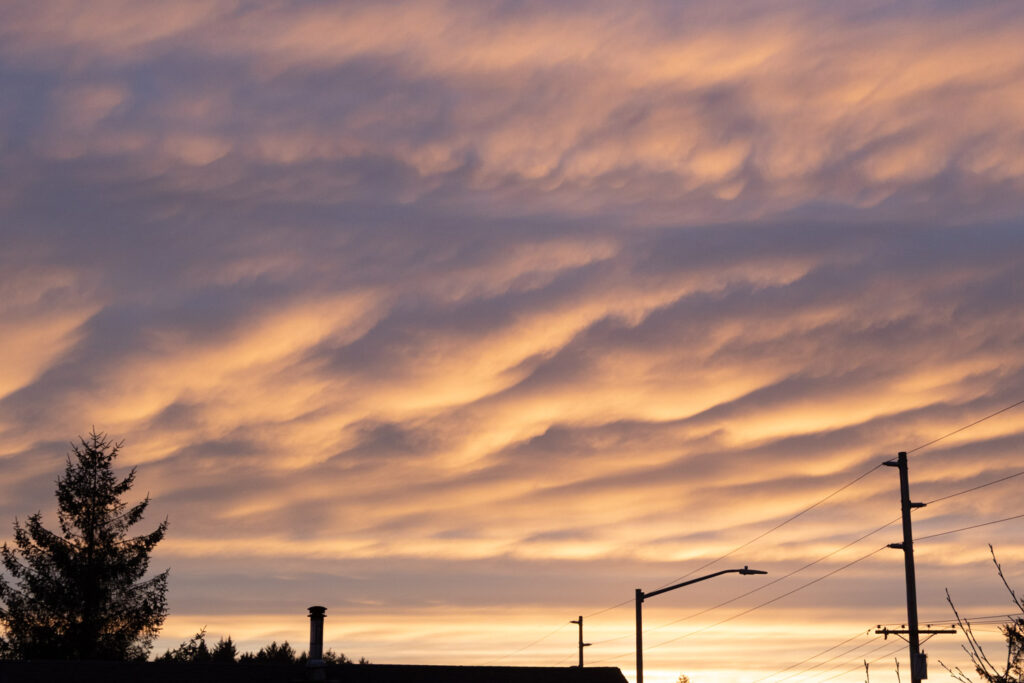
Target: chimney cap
{"type": "Point", "coordinates": [317, 611]}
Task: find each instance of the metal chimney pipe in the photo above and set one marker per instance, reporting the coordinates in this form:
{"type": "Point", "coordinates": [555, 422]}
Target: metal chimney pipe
{"type": "Point", "coordinates": [316, 643]}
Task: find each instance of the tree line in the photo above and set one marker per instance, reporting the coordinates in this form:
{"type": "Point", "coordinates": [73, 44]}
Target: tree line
{"type": "Point", "coordinates": [195, 650]}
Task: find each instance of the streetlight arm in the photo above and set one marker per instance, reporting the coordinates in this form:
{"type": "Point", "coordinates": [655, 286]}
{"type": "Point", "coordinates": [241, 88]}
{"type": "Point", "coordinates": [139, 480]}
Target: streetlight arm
{"type": "Point", "coordinates": [745, 570]}
{"type": "Point", "coordinates": [640, 595]}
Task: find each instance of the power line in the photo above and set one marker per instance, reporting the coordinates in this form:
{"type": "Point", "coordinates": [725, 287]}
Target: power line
{"type": "Point", "coordinates": [968, 426]}
{"type": "Point", "coordinates": [795, 571]}
{"type": "Point", "coordinates": [775, 599]}
{"type": "Point", "coordinates": [894, 650]}
{"type": "Point", "coordinates": [563, 660]}
{"type": "Point", "coordinates": [816, 654]}
{"type": "Point", "coordinates": [975, 488]}
{"type": "Point", "coordinates": [758, 606]}
{"type": "Point", "coordinates": [747, 543]}
{"type": "Point", "coordinates": [612, 658]}
{"type": "Point", "coordinates": [776, 527]}
{"type": "Point", "coordinates": [828, 555]}
{"type": "Point", "coordinates": [609, 609]}
{"type": "Point", "coordinates": [976, 620]}
{"type": "Point", "coordinates": [811, 564]}
{"type": "Point", "coordinates": [992, 618]}
{"type": "Point", "coordinates": [787, 521]}
{"type": "Point", "coordinates": [873, 650]}
{"type": "Point", "coordinates": [973, 526]}
{"type": "Point", "coordinates": [524, 647]}
{"type": "Point", "coordinates": [826, 661]}
{"type": "Point", "coordinates": [743, 595]}
{"type": "Point", "coordinates": [781, 578]}
{"type": "Point", "coordinates": [823, 500]}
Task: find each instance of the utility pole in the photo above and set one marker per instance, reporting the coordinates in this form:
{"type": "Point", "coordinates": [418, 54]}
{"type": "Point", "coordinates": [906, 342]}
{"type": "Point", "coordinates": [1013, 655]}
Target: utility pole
{"type": "Point", "coordinates": [918, 660]}
{"type": "Point", "coordinates": [639, 636]}
{"type": "Point", "coordinates": [582, 644]}
{"type": "Point", "coordinates": [918, 663]}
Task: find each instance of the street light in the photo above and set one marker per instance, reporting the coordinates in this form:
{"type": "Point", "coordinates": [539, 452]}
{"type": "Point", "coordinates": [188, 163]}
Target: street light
{"type": "Point", "coordinates": [641, 596]}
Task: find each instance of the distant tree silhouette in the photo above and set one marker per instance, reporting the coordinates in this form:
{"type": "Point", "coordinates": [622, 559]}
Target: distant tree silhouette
{"type": "Point", "coordinates": [285, 654]}
{"type": "Point", "coordinates": [1012, 670]}
{"type": "Point", "coordinates": [224, 651]}
{"type": "Point", "coordinates": [332, 657]}
{"type": "Point", "coordinates": [271, 654]}
{"type": "Point", "coordinates": [192, 650]}
{"type": "Point", "coordinates": [80, 593]}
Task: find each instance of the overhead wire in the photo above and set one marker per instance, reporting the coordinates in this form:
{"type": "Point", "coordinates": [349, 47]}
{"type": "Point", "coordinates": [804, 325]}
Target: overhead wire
{"type": "Point", "coordinates": [932, 622]}
{"type": "Point", "coordinates": [825, 576]}
{"type": "Point", "coordinates": [894, 650]}
{"type": "Point", "coordinates": [608, 609]}
{"type": "Point", "coordinates": [781, 578]}
{"type": "Point", "coordinates": [839, 490]}
{"type": "Point", "coordinates": [815, 655]}
{"type": "Point", "coordinates": [565, 659]}
{"type": "Point", "coordinates": [966, 427]}
{"type": "Point", "coordinates": [804, 511]}
{"type": "Point", "coordinates": [810, 583]}
{"type": "Point", "coordinates": [784, 523]}
{"type": "Point", "coordinates": [776, 527]}
{"type": "Point", "coordinates": [802, 586]}
{"type": "Point", "coordinates": [860, 656]}
{"type": "Point", "coordinates": [981, 621]}
{"type": "Point", "coordinates": [975, 488]}
{"type": "Point", "coordinates": [833, 658]}
{"type": "Point", "coordinates": [773, 600]}
{"type": "Point", "coordinates": [525, 647]}
{"type": "Point", "coordinates": [751, 541]}
{"type": "Point", "coordinates": [820, 559]}
{"type": "Point", "coordinates": [966, 528]}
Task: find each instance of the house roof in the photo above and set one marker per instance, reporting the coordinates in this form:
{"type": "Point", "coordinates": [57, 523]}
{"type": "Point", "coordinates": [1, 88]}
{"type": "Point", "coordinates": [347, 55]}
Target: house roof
{"type": "Point", "coordinates": [209, 672]}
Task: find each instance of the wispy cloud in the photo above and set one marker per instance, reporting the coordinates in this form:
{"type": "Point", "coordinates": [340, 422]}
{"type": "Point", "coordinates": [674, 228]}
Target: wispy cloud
{"type": "Point", "coordinates": [456, 307]}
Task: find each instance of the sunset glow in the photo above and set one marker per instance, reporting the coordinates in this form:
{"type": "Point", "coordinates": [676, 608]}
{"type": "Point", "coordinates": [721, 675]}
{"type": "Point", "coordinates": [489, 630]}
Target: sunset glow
{"type": "Point", "coordinates": [466, 319]}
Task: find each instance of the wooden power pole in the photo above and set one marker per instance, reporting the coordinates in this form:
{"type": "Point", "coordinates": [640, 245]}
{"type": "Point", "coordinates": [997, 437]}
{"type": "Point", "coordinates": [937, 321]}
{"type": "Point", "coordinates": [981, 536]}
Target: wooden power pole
{"type": "Point", "coordinates": [581, 643]}
{"type": "Point", "coordinates": [918, 660]}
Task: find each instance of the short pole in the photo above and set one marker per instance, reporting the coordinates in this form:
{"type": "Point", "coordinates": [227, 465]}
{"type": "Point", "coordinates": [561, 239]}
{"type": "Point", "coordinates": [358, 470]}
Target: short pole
{"type": "Point", "coordinates": [580, 644]}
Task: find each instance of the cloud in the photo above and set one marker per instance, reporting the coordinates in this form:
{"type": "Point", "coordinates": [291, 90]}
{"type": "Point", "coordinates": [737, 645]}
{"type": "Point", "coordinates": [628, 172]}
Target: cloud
{"type": "Point", "coordinates": [738, 115]}
{"type": "Point", "coordinates": [478, 307]}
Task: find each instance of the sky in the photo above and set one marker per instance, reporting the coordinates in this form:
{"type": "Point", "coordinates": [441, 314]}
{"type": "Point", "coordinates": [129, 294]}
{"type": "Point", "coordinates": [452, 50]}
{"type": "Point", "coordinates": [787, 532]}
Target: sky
{"type": "Point", "coordinates": [465, 319]}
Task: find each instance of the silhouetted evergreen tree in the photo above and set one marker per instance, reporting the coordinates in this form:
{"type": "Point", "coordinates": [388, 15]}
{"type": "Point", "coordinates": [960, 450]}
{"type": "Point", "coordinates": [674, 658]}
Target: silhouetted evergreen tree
{"type": "Point", "coordinates": [276, 654]}
{"type": "Point", "coordinates": [192, 650]}
{"type": "Point", "coordinates": [329, 657]}
{"type": "Point", "coordinates": [271, 654]}
{"type": "Point", "coordinates": [80, 593]}
{"type": "Point", "coordinates": [285, 654]}
{"type": "Point", "coordinates": [224, 651]}
{"type": "Point", "coordinates": [332, 657]}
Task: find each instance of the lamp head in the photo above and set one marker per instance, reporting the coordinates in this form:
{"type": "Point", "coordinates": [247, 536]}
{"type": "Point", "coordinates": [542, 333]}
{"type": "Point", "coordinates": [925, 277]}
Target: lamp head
{"type": "Point", "coordinates": [748, 570]}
